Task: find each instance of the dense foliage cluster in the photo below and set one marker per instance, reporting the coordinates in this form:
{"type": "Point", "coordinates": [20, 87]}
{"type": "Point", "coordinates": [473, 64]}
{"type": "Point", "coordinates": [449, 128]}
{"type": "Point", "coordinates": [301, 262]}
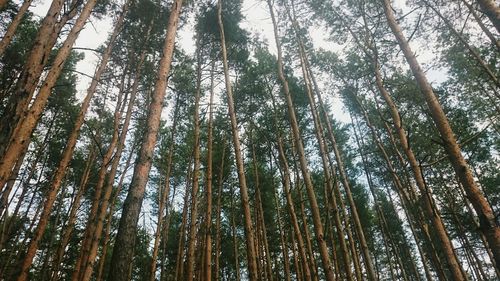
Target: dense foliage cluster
{"type": "Point", "coordinates": [255, 157]}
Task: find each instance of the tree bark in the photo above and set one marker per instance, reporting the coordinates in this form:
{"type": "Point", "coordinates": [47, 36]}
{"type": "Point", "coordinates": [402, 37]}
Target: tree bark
{"type": "Point", "coordinates": [125, 238]}
{"type": "Point", "coordinates": [490, 8]}
{"type": "Point", "coordinates": [249, 233]}
{"type": "Point", "coordinates": [22, 133]}
{"type": "Point", "coordinates": [318, 226]}
{"type": "Point", "coordinates": [11, 30]}
{"type": "Point", "coordinates": [488, 224]}
{"type": "Point", "coordinates": [190, 254]}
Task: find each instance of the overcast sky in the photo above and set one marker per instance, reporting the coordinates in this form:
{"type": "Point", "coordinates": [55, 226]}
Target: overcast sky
{"type": "Point", "coordinates": [257, 20]}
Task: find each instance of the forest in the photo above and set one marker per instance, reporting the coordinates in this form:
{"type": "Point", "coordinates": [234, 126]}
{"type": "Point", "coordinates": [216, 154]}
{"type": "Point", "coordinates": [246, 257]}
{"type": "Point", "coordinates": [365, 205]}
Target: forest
{"type": "Point", "coordinates": [329, 140]}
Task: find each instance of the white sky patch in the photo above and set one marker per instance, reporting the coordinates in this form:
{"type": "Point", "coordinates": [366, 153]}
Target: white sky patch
{"type": "Point", "coordinates": [256, 20]}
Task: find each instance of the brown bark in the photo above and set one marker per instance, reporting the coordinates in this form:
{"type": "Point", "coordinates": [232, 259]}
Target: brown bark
{"type": "Point", "coordinates": [125, 239]}
{"type": "Point", "coordinates": [490, 8]}
{"type": "Point", "coordinates": [179, 268]}
{"type": "Point", "coordinates": [219, 208]}
{"type": "Point", "coordinates": [190, 254]}
{"type": "Point", "coordinates": [22, 133]}
{"type": "Point", "coordinates": [207, 259]}
{"type": "Point", "coordinates": [11, 30]}
{"type": "Point", "coordinates": [283, 242]}
{"type": "Point", "coordinates": [30, 122]}
{"type": "Point", "coordinates": [291, 210]}
{"type": "Point", "coordinates": [318, 227]}
{"type": "Point", "coordinates": [407, 195]}
{"type": "Point", "coordinates": [68, 229]}
{"type": "Point", "coordinates": [479, 22]}
{"type": "Point", "coordinates": [164, 193]}
{"type": "Point", "coordinates": [235, 240]}
{"type": "Point", "coordinates": [260, 215]}
{"type": "Point", "coordinates": [249, 234]}
{"type": "Point", "coordinates": [488, 224]}
{"type": "Point", "coordinates": [18, 103]}
{"type": "Point", "coordinates": [105, 242]}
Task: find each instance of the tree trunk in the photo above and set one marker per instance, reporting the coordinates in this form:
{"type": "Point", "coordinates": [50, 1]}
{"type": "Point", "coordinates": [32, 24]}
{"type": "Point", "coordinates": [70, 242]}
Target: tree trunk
{"type": "Point", "coordinates": [207, 260]}
{"type": "Point", "coordinates": [68, 229]}
{"type": "Point", "coordinates": [219, 208]}
{"type": "Point", "coordinates": [123, 249]}
{"type": "Point", "coordinates": [251, 257]}
{"type": "Point", "coordinates": [490, 8]}
{"type": "Point", "coordinates": [291, 210]}
{"type": "Point", "coordinates": [18, 102]}
{"type": "Point", "coordinates": [488, 224]}
{"type": "Point", "coordinates": [190, 254]}
{"type": "Point", "coordinates": [318, 227]}
{"type": "Point", "coordinates": [11, 30]}
{"type": "Point", "coordinates": [22, 133]}
{"type": "Point", "coordinates": [479, 22]}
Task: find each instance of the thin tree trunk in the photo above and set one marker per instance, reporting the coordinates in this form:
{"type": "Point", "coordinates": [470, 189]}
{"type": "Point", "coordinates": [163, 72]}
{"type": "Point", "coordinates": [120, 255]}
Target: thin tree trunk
{"type": "Point", "coordinates": [179, 268]}
{"type": "Point", "coordinates": [291, 209]}
{"type": "Point", "coordinates": [68, 229]}
{"type": "Point", "coordinates": [483, 209]}
{"type": "Point", "coordinates": [11, 30]}
{"type": "Point", "coordinates": [207, 260]}
{"type": "Point", "coordinates": [164, 193]}
{"type": "Point", "coordinates": [235, 239]}
{"type": "Point", "coordinates": [190, 258]}
{"type": "Point", "coordinates": [406, 195]}
{"type": "Point", "coordinates": [22, 133]}
{"type": "Point", "coordinates": [18, 103]}
{"type": "Point", "coordinates": [125, 239]}
{"type": "Point", "coordinates": [251, 257]}
{"type": "Point", "coordinates": [318, 227]}
{"type": "Point", "coordinates": [284, 248]}
{"type": "Point", "coordinates": [490, 8]}
{"type": "Point", "coordinates": [479, 22]}
{"type": "Point", "coordinates": [219, 208]}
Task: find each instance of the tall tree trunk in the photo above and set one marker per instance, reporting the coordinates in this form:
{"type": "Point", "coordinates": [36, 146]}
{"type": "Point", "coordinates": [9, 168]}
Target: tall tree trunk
{"type": "Point", "coordinates": [487, 219]}
{"type": "Point", "coordinates": [190, 254]}
{"type": "Point", "coordinates": [11, 30]}
{"type": "Point", "coordinates": [164, 194]}
{"type": "Point", "coordinates": [31, 121]}
{"type": "Point", "coordinates": [72, 217]}
{"type": "Point", "coordinates": [491, 9]}
{"type": "Point", "coordinates": [235, 239]}
{"type": "Point", "coordinates": [318, 226]}
{"type": "Point", "coordinates": [105, 242]}
{"type": "Point", "coordinates": [285, 170]}
{"type": "Point", "coordinates": [179, 268]}
{"type": "Point", "coordinates": [123, 250]}
{"type": "Point", "coordinates": [207, 259]}
{"type": "Point", "coordinates": [283, 244]}
{"type": "Point", "coordinates": [249, 233]}
{"type": "Point", "coordinates": [479, 22]}
{"type": "Point", "coordinates": [18, 103]}
{"type": "Point", "coordinates": [219, 208]}
{"type": "Point", "coordinates": [22, 133]}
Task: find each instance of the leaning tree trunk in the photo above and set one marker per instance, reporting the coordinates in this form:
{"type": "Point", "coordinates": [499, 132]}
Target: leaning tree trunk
{"type": "Point", "coordinates": [17, 105]}
{"type": "Point", "coordinates": [22, 133]}
{"type": "Point", "coordinates": [487, 219]}
{"type": "Point", "coordinates": [11, 30]}
{"type": "Point", "coordinates": [491, 9]}
{"type": "Point", "coordinates": [318, 226]}
{"type": "Point", "coordinates": [249, 233]}
{"type": "Point", "coordinates": [123, 249]}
